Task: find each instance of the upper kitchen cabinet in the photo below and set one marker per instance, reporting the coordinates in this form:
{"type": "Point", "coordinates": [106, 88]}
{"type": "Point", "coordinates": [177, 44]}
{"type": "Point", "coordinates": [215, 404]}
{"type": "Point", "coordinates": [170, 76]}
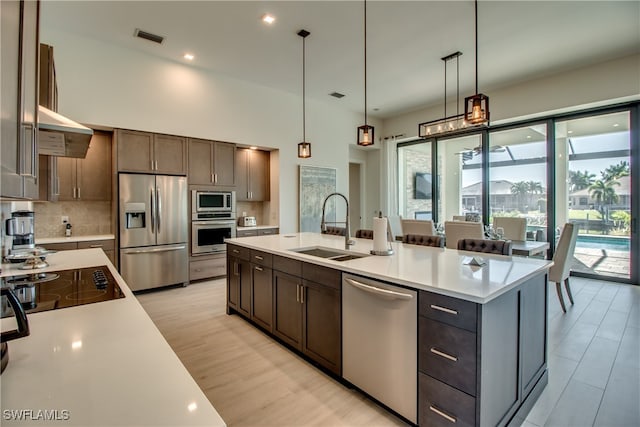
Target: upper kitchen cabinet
{"type": "Point", "coordinates": [48, 85]}
{"type": "Point", "coordinates": [19, 85]}
{"type": "Point", "coordinates": [87, 179]}
{"type": "Point", "coordinates": [151, 153]}
{"type": "Point", "coordinates": [252, 175]}
{"type": "Point", "coordinates": [211, 163]}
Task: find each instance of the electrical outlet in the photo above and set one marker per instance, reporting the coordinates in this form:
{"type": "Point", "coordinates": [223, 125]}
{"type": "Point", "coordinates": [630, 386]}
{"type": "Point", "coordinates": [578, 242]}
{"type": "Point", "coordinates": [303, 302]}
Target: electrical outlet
{"type": "Point", "coordinates": [65, 219]}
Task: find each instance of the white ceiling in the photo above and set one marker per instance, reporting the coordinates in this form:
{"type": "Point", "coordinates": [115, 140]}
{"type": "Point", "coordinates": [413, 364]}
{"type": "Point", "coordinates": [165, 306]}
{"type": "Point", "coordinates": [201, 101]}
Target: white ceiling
{"type": "Point", "coordinates": [518, 41]}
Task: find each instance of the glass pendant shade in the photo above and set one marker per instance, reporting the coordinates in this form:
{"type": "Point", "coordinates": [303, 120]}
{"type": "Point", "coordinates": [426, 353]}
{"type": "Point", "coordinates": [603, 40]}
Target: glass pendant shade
{"type": "Point", "coordinates": [304, 150]}
{"type": "Point", "coordinates": [476, 109]}
{"type": "Point", "coordinates": [365, 135]}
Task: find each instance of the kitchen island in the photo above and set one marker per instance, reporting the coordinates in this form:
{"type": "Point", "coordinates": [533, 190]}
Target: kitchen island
{"type": "Point", "coordinates": [480, 332]}
{"type": "Point", "coordinates": [97, 364]}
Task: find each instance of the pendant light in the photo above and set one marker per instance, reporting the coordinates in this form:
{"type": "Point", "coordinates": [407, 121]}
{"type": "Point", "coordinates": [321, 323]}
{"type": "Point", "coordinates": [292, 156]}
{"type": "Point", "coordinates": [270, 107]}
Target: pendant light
{"type": "Point", "coordinates": [476, 107]}
{"type": "Point", "coordinates": [304, 148]}
{"type": "Point", "coordinates": [365, 132]}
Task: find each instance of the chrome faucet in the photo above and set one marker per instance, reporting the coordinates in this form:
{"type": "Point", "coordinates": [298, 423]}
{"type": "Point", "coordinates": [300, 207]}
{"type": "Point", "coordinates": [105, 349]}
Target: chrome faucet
{"type": "Point", "coordinates": [323, 224]}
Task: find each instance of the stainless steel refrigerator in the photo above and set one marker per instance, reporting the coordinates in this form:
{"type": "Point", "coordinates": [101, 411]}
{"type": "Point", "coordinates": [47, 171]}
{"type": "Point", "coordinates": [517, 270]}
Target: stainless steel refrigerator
{"type": "Point", "coordinates": [153, 213]}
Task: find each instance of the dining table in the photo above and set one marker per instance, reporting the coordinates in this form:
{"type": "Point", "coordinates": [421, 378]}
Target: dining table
{"type": "Point", "coordinates": [528, 247]}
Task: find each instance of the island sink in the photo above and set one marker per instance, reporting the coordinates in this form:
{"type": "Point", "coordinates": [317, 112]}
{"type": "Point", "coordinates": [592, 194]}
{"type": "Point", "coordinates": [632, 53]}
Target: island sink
{"type": "Point", "coordinates": [329, 253]}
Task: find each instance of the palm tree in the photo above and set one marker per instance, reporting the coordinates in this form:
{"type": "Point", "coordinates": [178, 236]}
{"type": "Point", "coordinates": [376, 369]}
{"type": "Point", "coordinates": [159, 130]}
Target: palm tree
{"type": "Point", "coordinates": [603, 192]}
{"type": "Point", "coordinates": [520, 189]}
{"type": "Point", "coordinates": [579, 180]}
{"type": "Point", "coordinates": [533, 188]}
{"type": "Point", "coordinates": [616, 171]}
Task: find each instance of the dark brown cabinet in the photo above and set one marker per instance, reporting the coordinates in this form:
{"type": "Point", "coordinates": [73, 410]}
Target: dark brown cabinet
{"type": "Point", "coordinates": [151, 153]}
{"type": "Point", "coordinates": [238, 280]}
{"type": "Point", "coordinates": [211, 163]}
{"type": "Point", "coordinates": [261, 289]}
{"type": "Point", "coordinates": [107, 247]}
{"type": "Point", "coordinates": [247, 232]}
{"type": "Point", "coordinates": [48, 85]}
{"type": "Point", "coordinates": [252, 175]}
{"type": "Point", "coordinates": [478, 363]}
{"type": "Point", "coordinates": [19, 88]}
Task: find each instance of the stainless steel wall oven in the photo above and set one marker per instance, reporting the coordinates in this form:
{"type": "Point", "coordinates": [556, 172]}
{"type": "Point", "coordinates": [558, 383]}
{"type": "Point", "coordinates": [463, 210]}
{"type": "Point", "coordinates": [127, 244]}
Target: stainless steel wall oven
{"type": "Point", "coordinates": [210, 227]}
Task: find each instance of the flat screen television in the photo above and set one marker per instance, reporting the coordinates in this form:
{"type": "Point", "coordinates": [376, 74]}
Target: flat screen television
{"type": "Point", "coordinates": [422, 186]}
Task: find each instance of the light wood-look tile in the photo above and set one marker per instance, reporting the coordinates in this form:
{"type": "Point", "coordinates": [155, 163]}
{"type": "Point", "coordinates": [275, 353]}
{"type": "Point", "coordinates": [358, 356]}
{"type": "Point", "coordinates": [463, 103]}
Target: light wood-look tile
{"type": "Point", "coordinates": [594, 363]}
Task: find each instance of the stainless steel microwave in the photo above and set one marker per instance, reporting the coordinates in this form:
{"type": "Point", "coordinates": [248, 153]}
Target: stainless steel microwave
{"type": "Point", "coordinates": [203, 201]}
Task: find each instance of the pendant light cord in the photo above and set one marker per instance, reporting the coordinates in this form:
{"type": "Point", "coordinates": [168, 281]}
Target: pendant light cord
{"type": "Point", "coordinates": [365, 62]}
{"type": "Point", "coordinates": [304, 112]}
{"type": "Point", "coordinates": [476, 31]}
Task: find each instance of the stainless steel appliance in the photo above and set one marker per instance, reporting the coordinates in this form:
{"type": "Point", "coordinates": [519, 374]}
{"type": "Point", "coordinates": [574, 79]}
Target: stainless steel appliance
{"type": "Point", "coordinates": [153, 230]}
{"type": "Point", "coordinates": [379, 330]}
{"type": "Point", "coordinates": [203, 202]}
{"type": "Point", "coordinates": [210, 226]}
{"type": "Point", "coordinates": [21, 227]}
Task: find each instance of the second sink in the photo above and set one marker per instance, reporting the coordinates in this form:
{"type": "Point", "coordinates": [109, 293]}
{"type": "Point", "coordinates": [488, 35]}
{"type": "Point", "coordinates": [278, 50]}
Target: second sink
{"type": "Point", "coordinates": [328, 253]}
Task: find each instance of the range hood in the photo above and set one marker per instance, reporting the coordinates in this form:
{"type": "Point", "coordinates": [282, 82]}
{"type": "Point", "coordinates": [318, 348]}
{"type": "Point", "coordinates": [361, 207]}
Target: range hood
{"type": "Point", "coordinates": [60, 136]}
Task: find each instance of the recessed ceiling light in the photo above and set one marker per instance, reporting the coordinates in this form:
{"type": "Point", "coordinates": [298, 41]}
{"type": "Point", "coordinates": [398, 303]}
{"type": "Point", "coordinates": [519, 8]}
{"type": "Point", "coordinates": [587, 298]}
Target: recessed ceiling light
{"type": "Point", "coordinates": [188, 56]}
{"type": "Point", "coordinates": [528, 136]}
{"type": "Point", "coordinates": [570, 131]}
{"type": "Point", "coordinates": [615, 125]}
{"type": "Point", "coordinates": [267, 18]}
{"type": "Point", "coordinates": [253, 147]}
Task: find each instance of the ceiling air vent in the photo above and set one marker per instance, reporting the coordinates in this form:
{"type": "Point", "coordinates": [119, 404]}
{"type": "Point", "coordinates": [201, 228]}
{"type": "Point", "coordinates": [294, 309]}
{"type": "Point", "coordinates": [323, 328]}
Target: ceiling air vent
{"type": "Point", "coordinates": [337, 95]}
{"type": "Point", "coordinates": [148, 36]}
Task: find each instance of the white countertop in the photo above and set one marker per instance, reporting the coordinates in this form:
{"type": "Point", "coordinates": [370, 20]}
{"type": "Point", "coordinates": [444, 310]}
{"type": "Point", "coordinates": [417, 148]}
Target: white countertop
{"type": "Point", "coordinates": [419, 267]}
{"type": "Point", "coordinates": [48, 240]}
{"type": "Point", "coordinates": [257, 227]}
{"type": "Point", "coordinates": [105, 363]}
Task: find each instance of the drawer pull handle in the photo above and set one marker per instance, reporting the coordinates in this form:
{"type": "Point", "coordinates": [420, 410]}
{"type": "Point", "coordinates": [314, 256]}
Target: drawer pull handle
{"type": "Point", "coordinates": [444, 309]}
{"type": "Point", "coordinates": [258, 268]}
{"type": "Point", "coordinates": [96, 246]}
{"type": "Point", "coordinates": [258, 257]}
{"type": "Point", "coordinates": [235, 251]}
{"type": "Point", "coordinates": [442, 414]}
{"type": "Point", "coordinates": [442, 354]}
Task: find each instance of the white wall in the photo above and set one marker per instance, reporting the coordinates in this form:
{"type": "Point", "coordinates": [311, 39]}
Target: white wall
{"type": "Point", "coordinates": [103, 84]}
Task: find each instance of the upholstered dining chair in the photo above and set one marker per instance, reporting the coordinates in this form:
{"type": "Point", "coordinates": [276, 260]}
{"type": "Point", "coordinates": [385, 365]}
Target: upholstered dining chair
{"type": "Point", "coordinates": [498, 247]}
{"type": "Point", "coordinates": [423, 240]}
{"type": "Point", "coordinates": [514, 228]}
{"type": "Point", "coordinates": [336, 231]}
{"type": "Point", "coordinates": [562, 259]}
{"type": "Point", "coordinates": [456, 230]}
{"type": "Point", "coordinates": [418, 226]}
{"type": "Point", "coordinates": [395, 225]}
{"type": "Point", "coordinates": [364, 234]}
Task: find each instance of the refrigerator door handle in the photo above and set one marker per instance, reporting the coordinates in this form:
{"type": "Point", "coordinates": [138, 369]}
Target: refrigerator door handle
{"type": "Point", "coordinates": [147, 251]}
{"type": "Point", "coordinates": [158, 209]}
{"type": "Point", "coordinates": [153, 211]}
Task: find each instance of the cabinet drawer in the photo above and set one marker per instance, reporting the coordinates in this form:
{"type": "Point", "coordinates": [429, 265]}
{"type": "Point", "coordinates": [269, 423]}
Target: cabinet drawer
{"type": "Point", "coordinates": [287, 265]}
{"type": "Point", "coordinates": [239, 252]}
{"type": "Point", "coordinates": [246, 233]}
{"type": "Point", "coordinates": [105, 245]}
{"type": "Point", "coordinates": [443, 405]}
{"type": "Point", "coordinates": [206, 268]}
{"type": "Point", "coordinates": [448, 354]}
{"type": "Point", "coordinates": [322, 275]}
{"type": "Point", "coordinates": [66, 246]}
{"type": "Point", "coordinates": [453, 311]}
{"type": "Point", "coordinates": [267, 231]}
{"type": "Point", "coordinates": [261, 258]}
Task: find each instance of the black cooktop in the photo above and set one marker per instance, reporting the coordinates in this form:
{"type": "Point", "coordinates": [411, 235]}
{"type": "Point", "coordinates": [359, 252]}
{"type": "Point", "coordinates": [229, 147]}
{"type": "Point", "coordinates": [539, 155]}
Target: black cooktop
{"type": "Point", "coordinates": [62, 289]}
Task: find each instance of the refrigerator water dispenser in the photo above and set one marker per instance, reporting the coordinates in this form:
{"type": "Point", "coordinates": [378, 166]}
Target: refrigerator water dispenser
{"type": "Point", "coordinates": [134, 215]}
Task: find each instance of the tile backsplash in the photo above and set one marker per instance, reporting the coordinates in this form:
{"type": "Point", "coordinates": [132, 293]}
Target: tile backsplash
{"type": "Point", "coordinates": [86, 218]}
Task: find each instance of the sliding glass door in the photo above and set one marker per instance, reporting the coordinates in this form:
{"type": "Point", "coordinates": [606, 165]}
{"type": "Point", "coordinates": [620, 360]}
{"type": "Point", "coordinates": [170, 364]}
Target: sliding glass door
{"type": "Point", "coordinates": [593, 191]}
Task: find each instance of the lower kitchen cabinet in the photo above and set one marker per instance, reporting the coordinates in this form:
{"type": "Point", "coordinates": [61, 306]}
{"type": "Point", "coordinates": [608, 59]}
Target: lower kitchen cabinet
{"type": "Point", "coordinates": [204, 267]}
{"type": "Point", "coordinates": [250, 231]}
{"type": "Point", "coordinates": [238, 280]}
{"type": "Point", "coordinates": [261, 290]}
{"type": "Point", "coordinates": [106, 245]}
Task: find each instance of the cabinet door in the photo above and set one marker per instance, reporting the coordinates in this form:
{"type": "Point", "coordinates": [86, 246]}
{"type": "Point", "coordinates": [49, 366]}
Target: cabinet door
{"type": "Point", "coordinates": [322, 324]}
{"type": "Point", "coordinates": [233, 282]}
{"type": "Point", "coordinates": [66, 178]}
{"type": "Point", "coordinates": [135, 151]}
{"type": "Point", "coordinates": [170, 154]}
{"type": "Point", "coordinates": [200, 156]}
{"type": "Point", "coordinates": [244, 290]}
{"type": "Point", "coordinates": [93, 180]}
{"type": "Point", "coordinates": [258, 175]}
{"type": "Point", "coordinates": [224, 163]}
{"type": "Point", "coordinates": [261, 296]}
{"type": "Point", "coordinates": [287, 308]}
{"type": "Point", "coordinates": [242, 174]}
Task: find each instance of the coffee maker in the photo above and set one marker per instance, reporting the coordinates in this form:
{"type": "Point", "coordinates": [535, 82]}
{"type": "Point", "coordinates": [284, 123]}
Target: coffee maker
{"type": "Point", "coordinates": [21, 227]}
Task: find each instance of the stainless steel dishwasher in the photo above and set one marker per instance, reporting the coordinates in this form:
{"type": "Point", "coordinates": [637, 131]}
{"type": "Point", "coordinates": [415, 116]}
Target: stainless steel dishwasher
{"type": "Point", "coordinates": [379, 342]}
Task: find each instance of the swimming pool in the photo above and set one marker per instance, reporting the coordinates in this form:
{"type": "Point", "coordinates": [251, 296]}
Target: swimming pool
{"type": "Point", "coordinates": [603, 242]}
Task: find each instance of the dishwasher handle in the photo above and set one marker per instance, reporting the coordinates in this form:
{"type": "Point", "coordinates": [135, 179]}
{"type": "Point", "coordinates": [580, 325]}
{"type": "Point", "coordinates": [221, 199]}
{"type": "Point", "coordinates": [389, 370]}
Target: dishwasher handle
{"type": "Point", "coordinates": [386, 293]}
